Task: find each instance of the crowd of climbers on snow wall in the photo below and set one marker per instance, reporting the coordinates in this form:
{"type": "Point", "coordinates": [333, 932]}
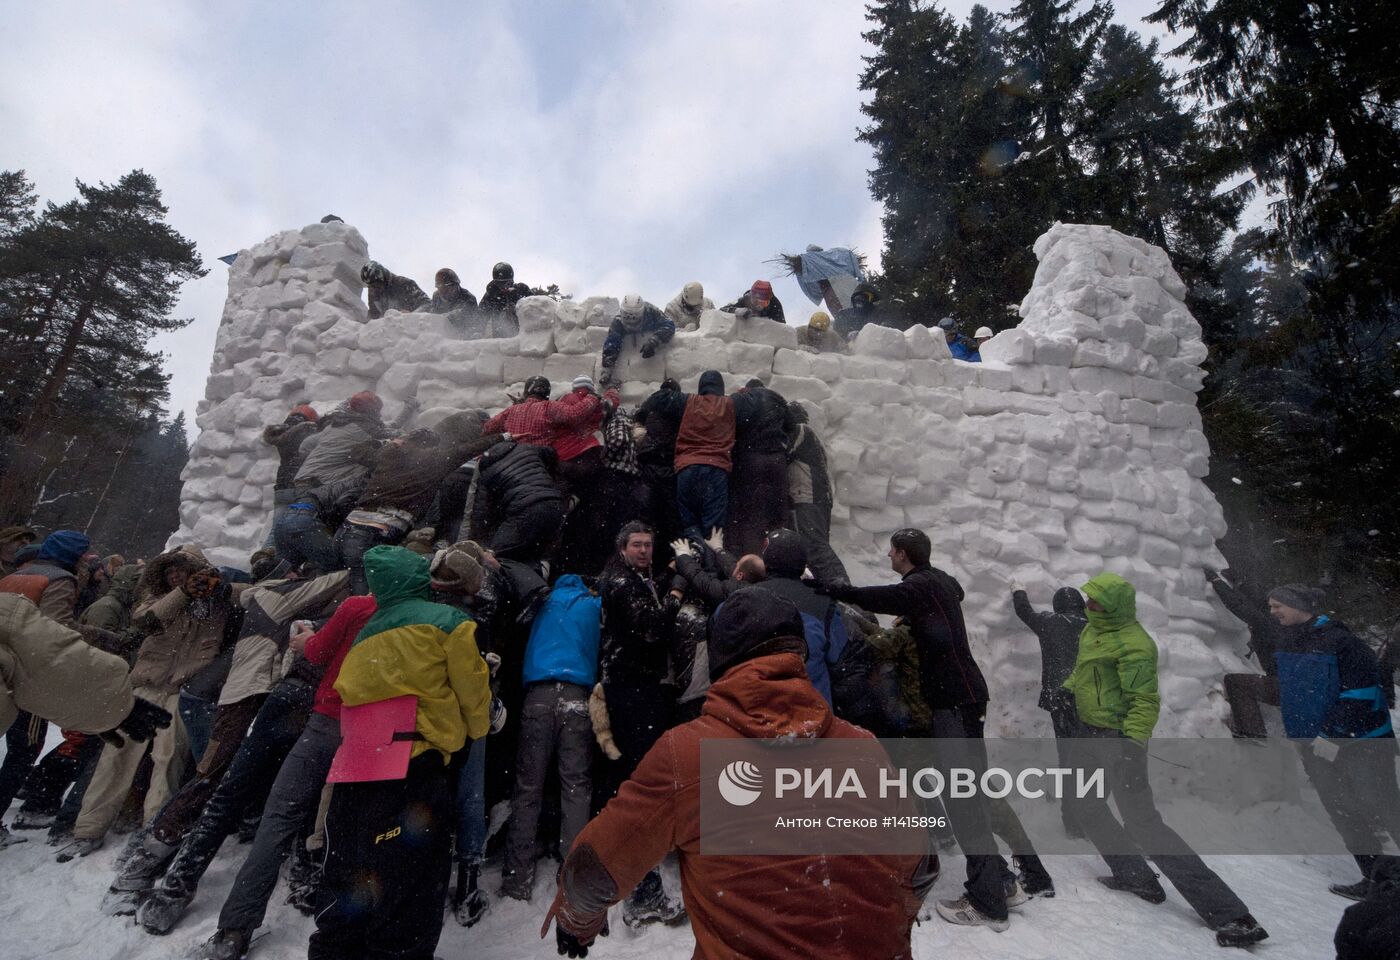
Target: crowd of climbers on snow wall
{"type": "Point", "coordinates": [552, 605]}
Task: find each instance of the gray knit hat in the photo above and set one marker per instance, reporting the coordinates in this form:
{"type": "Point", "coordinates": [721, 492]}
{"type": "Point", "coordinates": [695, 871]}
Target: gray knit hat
{"type": "Point", "coordinates": [1299, 596]}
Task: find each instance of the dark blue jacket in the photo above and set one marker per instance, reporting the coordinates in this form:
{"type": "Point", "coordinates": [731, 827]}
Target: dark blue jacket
{"type": "Point", "coordinates": [1330, 683]}
{"type": "Point", "coordinates": [564, 637]}
{"type": "Point", "coordinates": [654, 323]}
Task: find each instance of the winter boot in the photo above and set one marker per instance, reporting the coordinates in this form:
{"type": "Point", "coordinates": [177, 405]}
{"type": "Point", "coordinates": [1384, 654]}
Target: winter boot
{"type": "Point", "coordinates": [165, 906]}
{"type": "Point", "coordinates": [1149, 890]}
{"type": "Point", "coordinates": [133, 843]}
{"type": "Point", "coordinates": [962, 912]}
{"type": "Point", "coordinates": [1033, 878]}
{"type": "Point", "coordinates": [1352, 891]}
{"type": "Point", "coordinates": [143, 868]}
{"type": "Point", "coordinates": [78, 847]}
{"type": "Point", "coordinates": [8, 839]}
{"type": "Point", "coordinates": [469, 901]}
{"type": "Point", "coordinates": [1241, 932]}
{"type": "Point", "coordinates": [226, 945]}
{"type": "Point", "coordinates": [1016, 894]}
{"type": "Point", "coordinates": [33, 819]}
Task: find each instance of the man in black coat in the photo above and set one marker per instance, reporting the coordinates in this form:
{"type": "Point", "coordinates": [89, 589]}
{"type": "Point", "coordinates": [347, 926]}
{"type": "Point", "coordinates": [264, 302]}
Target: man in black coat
{"type": "Point", "coordinates": [1058, 633]}
{"type": "Point", "coordinates": [1246, 691]}
{"type": "Point", "coordinates": [929, 602]}
{"type": "Point", "coordinates": [761, 421]}
{"type": "Point", "coordinates": [519, 481]}
{"type": "Point", "coordinates": [639, 613]}
{"type": "Point", "coordinates": [809, 489]}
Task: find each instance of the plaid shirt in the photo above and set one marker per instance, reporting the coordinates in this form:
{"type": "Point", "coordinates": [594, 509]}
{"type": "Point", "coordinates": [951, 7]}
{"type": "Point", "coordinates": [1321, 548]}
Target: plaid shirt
{"type": "Point", "coordinates": [619, 450]}
{"type": "Point", "coordinates": [527, 422]}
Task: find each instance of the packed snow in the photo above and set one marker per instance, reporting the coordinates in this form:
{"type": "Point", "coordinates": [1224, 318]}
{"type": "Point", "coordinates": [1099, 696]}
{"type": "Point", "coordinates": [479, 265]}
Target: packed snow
{"type": "Point", "coordinates": [48, 911]}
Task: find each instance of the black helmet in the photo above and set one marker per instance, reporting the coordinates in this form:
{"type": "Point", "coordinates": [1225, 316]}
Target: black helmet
{"type": "Point", "coordinates": [537, 387]}
{"type": "Point", "coordinates": [503, 271]}
{"type": "Point", "coordinates": [372, 273]}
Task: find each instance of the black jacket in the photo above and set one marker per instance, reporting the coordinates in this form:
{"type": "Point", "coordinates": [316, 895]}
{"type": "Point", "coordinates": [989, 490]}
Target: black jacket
{"type": "Point", "coordinates": [1370, 930]}
{"type": "Point", "coordinates": [929, 602]}
{"type": "Point", "coordinates": [501, 296]}
{"type": "Point", "coordinates": [1058, 634]}
{"type": "Point", "coordinates": [400, 293]}
{"type": "Point", "coordinates": [287, 438]}
{"type": "Point", "coordinates": [638, 616]}
{"type": "Point", "coordinates": [774, 310]}
{"type": "Point", "coordinates": [518, 475]}
{"type": "Point", "coordinates": [1264, 630]}
{"type": "Point", "coordinates": [761, 421]}
{"type": "Point", "coordinates": [807, 456]}
{"type": "Point", "coordinates": [710, 588]}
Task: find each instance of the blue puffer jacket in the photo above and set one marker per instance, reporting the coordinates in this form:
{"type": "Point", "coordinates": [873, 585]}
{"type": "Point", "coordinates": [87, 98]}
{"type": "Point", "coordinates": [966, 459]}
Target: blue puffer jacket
{"type": "Point", "coordinates": [564, 637]}
{"type": "Point", "coordinates": [1330, 683]}
{"type": "Point", "coordinates": [964, 349]}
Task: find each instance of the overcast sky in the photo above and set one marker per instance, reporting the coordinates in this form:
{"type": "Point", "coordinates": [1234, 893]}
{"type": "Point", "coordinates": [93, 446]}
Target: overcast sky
{"type": "Point", "coordinates": [606, 146]}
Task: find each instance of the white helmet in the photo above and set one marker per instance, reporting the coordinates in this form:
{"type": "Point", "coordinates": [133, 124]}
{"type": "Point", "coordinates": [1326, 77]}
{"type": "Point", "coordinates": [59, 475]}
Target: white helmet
{"type": "Point", "coordinates": [692, 294]}
{"type": "Point", "coordinates": [983, 333]}
{"type": "Point", "coordinates": [632, 306]}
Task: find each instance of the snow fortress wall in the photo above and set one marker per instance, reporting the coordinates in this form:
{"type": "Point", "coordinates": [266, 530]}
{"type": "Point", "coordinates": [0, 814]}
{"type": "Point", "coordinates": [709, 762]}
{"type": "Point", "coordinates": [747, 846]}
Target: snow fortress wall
{"type": "Point", "coordinates": [1075, 447]}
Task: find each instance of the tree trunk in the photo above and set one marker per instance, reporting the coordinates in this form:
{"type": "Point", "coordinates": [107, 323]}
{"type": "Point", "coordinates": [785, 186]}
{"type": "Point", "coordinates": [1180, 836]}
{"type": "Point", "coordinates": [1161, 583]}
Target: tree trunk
{"type": "Point", "coordinates": [17, 484]}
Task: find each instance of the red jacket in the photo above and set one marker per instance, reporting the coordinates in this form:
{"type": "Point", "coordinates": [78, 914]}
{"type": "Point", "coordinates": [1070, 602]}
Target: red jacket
{"type": "Point", "coordinates": [706, 434]}
{"type": "Point", "coordinates": [329, 645]}
{"type": "Point", "coordinates": [852, 906]}
{"type": "Point", "coordinates": [567, 424]}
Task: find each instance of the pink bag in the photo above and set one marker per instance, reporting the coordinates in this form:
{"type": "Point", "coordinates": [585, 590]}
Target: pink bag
{"type": "Point", "coordinates": [376, 741]}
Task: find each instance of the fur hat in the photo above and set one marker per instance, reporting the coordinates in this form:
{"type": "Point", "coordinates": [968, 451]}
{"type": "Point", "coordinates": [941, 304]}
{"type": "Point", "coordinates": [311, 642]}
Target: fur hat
{"type": "Point", "coordinates": [458, 568]}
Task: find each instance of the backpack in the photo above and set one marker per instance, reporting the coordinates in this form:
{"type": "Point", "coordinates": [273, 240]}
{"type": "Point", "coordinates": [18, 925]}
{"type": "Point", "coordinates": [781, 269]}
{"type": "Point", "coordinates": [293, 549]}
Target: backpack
{"type": "Point", "coordinates": [875, 683]}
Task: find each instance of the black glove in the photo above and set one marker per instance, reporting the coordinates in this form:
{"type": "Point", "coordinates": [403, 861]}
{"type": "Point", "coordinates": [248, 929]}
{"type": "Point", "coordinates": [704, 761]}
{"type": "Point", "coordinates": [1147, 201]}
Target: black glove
{"type": "Point", "coordinates": [568, 943]}
{"type": "Point", "coordinates": [649, 349]}
{"type": "Point", "coordinates": [140, 724]}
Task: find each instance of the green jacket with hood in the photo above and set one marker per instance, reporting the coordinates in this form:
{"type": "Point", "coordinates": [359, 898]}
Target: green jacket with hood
{"type": "Point", "coordinates": [1114, 682]}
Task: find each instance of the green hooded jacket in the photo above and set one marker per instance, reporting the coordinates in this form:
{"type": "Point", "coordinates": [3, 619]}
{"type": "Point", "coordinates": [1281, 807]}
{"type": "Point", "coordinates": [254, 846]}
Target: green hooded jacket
{"type": "Point", "coordinates": [1115, 674]}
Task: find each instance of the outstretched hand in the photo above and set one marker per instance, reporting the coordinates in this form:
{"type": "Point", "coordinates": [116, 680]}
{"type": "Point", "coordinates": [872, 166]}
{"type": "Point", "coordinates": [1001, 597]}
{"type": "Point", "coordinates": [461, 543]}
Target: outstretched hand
{"type": "Point", "coordinates": [715, 541]}
{"type": "Point", "coordinates": [682, 548]}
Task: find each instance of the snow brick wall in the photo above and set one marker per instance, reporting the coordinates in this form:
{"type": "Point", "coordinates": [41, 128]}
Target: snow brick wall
{"type": "Point", "coordinates": [1075, 447]}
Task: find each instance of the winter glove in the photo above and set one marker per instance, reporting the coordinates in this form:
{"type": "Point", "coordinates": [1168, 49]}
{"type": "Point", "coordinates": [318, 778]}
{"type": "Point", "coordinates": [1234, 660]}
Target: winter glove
{"type": "Point", "coordinates": [682, 548]}
{"type": "Point", "coordinates": [715, 541]}
{"type": "Point", "coordinates": [569, 945]}
{"type": "Point", "coordinates": [742, 313]}
{"type": "Point", "coordinates": [493, 663]}
{"type": "Point", "coordinates": [498, 715]}
{"type": "Point", "coordinates": [649, 348]}
{"type": "Point", "coordinates": [202, 584]}
{"type": "Point", "coordinates": [1325, 749]}
{"type": "Point", "coordinates": [140, 724]}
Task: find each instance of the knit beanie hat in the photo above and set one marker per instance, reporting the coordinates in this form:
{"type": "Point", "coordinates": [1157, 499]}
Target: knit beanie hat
{"type": "Point", "coordinates": [64, 548]}
{"type": "Point", "coordinates": [366, 401]}
{"type": "Point", "coordinates": [584, 380]}
{"type": "Point", "coordinates": [1299, 596]}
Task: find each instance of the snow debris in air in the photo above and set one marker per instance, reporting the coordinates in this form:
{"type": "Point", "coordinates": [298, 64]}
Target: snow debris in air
{"type": "Point", "coordinates": [1236, 480]}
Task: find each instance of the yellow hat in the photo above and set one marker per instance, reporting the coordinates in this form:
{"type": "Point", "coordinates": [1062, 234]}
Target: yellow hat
{"type": "Point", "coordinates": [820, 321]}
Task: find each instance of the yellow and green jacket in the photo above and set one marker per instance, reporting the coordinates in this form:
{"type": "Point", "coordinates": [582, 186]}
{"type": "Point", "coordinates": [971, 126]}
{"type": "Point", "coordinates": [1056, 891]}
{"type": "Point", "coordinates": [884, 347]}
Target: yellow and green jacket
{"type": "Point", "coordinates": [1115, 675]}
{"type": "Point", "coordinates": [412, 646]}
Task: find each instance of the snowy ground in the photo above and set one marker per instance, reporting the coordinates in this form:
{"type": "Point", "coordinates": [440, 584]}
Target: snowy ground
{"type": "Point", "coordinates": [49, 910]}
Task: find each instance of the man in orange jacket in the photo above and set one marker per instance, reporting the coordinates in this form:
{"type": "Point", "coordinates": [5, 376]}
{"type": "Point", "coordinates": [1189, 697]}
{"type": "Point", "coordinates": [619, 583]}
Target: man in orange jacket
{"type": "Point", "coordinates": [850, 906]}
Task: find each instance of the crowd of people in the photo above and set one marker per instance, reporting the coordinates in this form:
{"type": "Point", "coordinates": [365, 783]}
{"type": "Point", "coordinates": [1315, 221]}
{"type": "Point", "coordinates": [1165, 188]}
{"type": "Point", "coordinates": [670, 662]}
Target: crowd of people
{"type": "Point", "coordinates": [550, 607]}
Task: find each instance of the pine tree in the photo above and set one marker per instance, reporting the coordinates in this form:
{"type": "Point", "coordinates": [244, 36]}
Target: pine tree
{"type": "Point", "coordinates": [1304, 100]}
{"type": "Point", "coordinates": [83, 287]}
